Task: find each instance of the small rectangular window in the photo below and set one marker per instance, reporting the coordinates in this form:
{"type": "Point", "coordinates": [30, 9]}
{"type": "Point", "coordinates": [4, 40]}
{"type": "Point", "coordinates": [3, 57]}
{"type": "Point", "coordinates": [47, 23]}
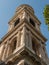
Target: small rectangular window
{"type": "Point", "coordinates": [33, 46]}
{"type": "Point", "coordinates": [32, 22]}
{"type": "Point", "coordinates": [17, 21]}
{"type": "Point", "coordinates": [14, 44]}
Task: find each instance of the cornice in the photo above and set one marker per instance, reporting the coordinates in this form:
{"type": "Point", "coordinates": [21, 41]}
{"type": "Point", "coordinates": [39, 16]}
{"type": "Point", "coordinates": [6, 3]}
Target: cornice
{"type": "Point", "coordinates": [32, 29]}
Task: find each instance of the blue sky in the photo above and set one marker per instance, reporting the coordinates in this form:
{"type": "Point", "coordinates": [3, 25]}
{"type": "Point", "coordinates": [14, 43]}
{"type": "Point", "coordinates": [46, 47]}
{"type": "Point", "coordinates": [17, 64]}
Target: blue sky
{"type": "Point", "coordinates": [8, 8]}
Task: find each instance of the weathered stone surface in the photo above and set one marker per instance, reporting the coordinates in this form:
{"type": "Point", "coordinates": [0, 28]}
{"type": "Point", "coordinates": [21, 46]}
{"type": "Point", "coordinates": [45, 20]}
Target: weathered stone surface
{"type": "Point", "coordinates": [23, 44]}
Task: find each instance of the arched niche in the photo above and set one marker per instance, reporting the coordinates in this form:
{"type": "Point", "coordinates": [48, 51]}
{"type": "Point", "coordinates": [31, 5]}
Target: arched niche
{"type": "Point", "coordinates": [32, 22]}
{"type": "Point", "coordinates": [35, 46]}
{"type": "Point", "coordinates": [16, 22]}
{"type": "Point", "coordinates": [14, 43]}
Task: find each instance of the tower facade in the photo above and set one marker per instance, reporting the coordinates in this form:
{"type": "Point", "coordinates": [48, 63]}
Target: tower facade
{"type": "Point", "coordinates": [24, 43]}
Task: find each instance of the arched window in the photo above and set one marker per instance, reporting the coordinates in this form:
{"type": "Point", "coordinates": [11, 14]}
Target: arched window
{"type": "Point", "coordinates": [33, 46]}
{"type": "Point", "coordinates": [14, 43]}
{"type": "Point", "coordinates": [17, 21]}
{"type": "Point", "coordinates": [32, 22]}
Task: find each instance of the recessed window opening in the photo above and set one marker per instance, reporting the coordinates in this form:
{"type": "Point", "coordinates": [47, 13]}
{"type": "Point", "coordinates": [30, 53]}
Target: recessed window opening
{"type": "Point", "coordinates": [17, 21]}
{"type": "Point", "coordinates": [33, 46]}
{"type": "Point", "coordinates": [32, 22]}
{"type": "Point", "coordinates": [14, 44]}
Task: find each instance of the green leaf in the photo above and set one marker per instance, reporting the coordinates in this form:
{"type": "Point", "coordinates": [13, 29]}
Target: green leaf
{"type": "Point", "coordinates": [46, 15]}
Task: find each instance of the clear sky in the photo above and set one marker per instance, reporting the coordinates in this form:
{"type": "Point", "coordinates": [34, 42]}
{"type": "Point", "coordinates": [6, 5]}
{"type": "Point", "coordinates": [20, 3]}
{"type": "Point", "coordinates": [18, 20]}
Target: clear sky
{"type": "Point", "coordinates": [8, 8]}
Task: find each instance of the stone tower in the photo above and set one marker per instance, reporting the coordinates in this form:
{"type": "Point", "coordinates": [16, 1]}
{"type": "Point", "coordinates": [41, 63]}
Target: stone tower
{"type": "Point", "coordinates": [24, 43]}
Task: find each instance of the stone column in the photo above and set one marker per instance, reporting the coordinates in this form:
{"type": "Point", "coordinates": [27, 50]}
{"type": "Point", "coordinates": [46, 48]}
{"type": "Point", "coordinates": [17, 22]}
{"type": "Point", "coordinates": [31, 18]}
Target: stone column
{"type": "Point", "coordinates": [23, 36]}
{"type": "Point", "coordinates": [11, 26]}
{"type": "Point", "coordinates": [37, 26]}
{"type": "Point", "coordinates": [5, 51]}
{"type": "Point", "coordinates": [45, 52]}
{"type": "Point", "coordinates": [27, 39]}
{"type": "Point", "coordinates": [30, 41]}
{"type": "Point", "coordinates": [19, 39]}
{"type": "Point", "coordinates": [9, 50]}
{"type": "Point", "coordinates": [42, 52]}
{"type": "Point", "coordinates": [1, 54]}
{"type": "Point", "coordinates": [39, 50]}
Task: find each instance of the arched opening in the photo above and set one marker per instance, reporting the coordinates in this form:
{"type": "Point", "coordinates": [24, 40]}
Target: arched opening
{"type": "Point", "coordinates": [17, 21]}
{"type": "Point", "coordinates": [14, 44]}
{"type": "Point", "coordinates": [33, 46]}
{"type": "Point", "coordinates": [36, 47]}
{"type": "Point", "coordinates": [32, 22]}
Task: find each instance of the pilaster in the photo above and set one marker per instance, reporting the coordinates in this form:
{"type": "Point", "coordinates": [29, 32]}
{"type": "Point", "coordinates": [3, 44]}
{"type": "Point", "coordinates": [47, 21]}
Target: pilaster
{"type": "Point", "coordinates": [19, 39]}
{"type": "Point", "coordinates": [2, 51]}
{"type": "Point", "coordinates": [23, 39]}
{"type": "Point", "coordinates": [5, 51]}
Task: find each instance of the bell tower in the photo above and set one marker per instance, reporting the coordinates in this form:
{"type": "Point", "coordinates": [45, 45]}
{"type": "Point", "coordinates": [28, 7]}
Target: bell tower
{"type": "Point", "coordinates": [24, 43]}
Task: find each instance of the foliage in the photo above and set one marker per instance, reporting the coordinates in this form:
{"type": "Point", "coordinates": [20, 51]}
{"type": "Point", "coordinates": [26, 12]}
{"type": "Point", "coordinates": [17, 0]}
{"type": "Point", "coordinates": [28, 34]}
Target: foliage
{"type": "Point", "coordinates": [46, 15]}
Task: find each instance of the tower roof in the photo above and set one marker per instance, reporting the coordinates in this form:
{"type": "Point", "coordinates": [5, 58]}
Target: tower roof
{"type": "Point", "coordinates": [24, 6]}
